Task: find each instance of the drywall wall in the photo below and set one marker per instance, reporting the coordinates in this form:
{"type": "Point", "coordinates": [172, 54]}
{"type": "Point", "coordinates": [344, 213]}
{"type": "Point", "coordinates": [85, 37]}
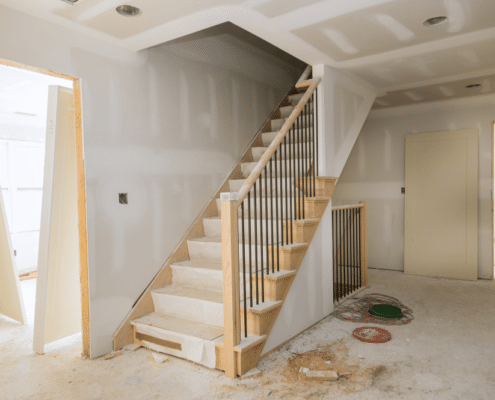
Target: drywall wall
{"type": "Point", "coordinates": [164, 125]}
{"type": "Point", "coordinates": [343, 105]}
{"type": "Point", "coordinates": [375, 173]}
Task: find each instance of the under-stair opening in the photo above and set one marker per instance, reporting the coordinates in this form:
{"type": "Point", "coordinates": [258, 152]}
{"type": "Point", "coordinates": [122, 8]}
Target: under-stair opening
{"type": "Point", "coordinates": [350, 271]}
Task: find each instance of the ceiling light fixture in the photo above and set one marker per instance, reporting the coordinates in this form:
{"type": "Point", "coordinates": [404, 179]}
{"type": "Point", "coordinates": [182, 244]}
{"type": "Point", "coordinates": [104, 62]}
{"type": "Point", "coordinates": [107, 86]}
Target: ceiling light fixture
{"type": "Point", "coordinates": [473, 85]}
{"type": "Point", "coordinates": [435, 21]}
{"type": "Point", "coordinates": [128, 11]}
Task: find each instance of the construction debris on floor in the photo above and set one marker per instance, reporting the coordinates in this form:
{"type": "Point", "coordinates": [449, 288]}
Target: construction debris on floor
{"type": "Point", "coordinates": [370, 334]}
{"type": "Point", "coordinates": [366, 310]}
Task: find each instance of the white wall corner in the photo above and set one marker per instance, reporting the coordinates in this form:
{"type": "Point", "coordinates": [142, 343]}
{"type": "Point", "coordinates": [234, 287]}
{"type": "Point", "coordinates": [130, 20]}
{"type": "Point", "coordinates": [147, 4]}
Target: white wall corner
{"type": "Point", "coordinates": [344, 102]}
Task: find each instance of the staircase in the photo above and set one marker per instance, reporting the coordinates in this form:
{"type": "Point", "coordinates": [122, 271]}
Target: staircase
{"type": "Point", "coordinates": [191, 309]}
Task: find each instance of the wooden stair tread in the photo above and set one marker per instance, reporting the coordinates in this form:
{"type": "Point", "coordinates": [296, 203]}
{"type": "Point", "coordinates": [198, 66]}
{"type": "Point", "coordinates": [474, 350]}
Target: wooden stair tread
{"type": "Point", "coordinates": [177, 325]}
{"type": "Point", "coordinates": [198, 263]}
{"type": "Point", "coordinates": [193, 293]}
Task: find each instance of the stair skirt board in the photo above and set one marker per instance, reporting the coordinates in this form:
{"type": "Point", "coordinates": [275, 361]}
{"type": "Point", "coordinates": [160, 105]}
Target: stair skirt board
{"type": "Point", "coordinates": [188, 319]}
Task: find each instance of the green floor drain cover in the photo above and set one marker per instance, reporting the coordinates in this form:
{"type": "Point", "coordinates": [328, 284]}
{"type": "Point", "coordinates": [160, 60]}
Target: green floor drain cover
{"type": "Point", "coordinates": [386, 311]}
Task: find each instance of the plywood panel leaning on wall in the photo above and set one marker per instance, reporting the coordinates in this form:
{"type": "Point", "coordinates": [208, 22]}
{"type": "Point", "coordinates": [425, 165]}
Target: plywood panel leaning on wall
{"type": "Point", "coordinates": [11, 304]}
{"type": "Point", "coordinates": [58, 294]}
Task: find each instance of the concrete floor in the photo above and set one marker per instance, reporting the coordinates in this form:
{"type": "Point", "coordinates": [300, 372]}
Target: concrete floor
{"type": "Point", "coordinates": [447, 352]}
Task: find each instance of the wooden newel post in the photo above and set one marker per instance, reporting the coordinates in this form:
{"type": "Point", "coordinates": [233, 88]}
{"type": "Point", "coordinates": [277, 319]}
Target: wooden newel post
{"type": "Point", "coordinates": [230, 267]}
{"type": "Point", "coordinates": [364, 244]}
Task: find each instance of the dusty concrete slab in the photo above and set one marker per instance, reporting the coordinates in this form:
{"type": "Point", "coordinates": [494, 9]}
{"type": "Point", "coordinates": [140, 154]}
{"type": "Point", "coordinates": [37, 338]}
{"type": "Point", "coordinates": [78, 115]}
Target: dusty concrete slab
{"type": "Point", "coordinates": [446, 353]}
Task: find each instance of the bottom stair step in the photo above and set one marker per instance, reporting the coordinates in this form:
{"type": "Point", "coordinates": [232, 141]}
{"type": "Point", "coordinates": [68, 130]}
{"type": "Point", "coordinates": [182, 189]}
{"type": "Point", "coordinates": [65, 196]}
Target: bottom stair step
{"type": "Point", "coordinates": [181, 338]}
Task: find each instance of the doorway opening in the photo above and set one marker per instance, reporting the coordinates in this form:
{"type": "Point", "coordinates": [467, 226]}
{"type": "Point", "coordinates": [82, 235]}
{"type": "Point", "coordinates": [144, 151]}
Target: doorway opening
{"type": "Point", "coordinates": [23, 130]}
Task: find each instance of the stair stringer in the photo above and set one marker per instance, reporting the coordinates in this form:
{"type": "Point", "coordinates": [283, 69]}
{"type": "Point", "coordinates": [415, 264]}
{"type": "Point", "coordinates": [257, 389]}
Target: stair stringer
{"type": "Point", "coordinates": [248, 356]}
{"type": "Point", "coordinates": [144, 304]}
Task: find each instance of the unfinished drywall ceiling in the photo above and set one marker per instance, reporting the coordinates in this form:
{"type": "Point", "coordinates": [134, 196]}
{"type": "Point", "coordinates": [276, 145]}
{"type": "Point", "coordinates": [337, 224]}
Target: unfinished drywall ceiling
{"type": "Point", "coordinates": [381, 41]}
{"type": "Point", "coordinates": [375, 173]}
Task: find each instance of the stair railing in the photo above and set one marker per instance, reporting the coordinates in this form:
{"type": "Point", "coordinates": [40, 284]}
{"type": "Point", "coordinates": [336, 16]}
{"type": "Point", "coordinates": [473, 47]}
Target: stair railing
{"type": "Point", "coordinates": [288, 168]}
{"type": "Point", "coordinates": [350, 255]}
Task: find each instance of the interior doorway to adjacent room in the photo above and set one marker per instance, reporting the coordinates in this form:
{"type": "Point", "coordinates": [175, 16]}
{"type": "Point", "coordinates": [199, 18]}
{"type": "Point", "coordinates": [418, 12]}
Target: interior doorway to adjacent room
{"type": "Point", "coordinates": [25, 156]}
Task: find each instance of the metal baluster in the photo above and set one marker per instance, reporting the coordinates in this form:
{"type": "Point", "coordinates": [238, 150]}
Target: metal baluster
{"type": "Point", "coordinates": [291, 202]}
{"type": "Point", "coordinates": [249, 248]}
{"type": "Point", "coordinates": [313, 145]}
{"type": "Point", "coordinates": [334, 254]}
{"type": "Point", "coordinates": [317, 132]}
{"type": "Point", "coordinates": [271, 210]}
{"type": "Point", "coordinates": [359, 245]}
{"type": "Point", "coordinates": [286, 193]}
{"type": "Point", "coordinates": [276, 208]}
{"type": "Point", "coordinates": [255, 245]}
{"type": "Point", "coordinates": [341, 253]}
{"type": "Point", "coordinates": [261, 240]}
{"type": "Point", "coordinates": [266, 224]}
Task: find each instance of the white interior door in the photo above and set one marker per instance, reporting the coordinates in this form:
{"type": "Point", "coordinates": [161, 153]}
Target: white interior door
{"type": "Point", "coordinates": [58, 293]}
{"type": "Point", "coordinates": [11, 304]}
{"type": "Point", "coordinates": [441, 204]}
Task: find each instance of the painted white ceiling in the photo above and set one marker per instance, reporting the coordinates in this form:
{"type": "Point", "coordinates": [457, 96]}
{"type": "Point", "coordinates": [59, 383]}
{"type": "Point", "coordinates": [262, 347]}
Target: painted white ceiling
{"type": "Point", "coordinates": [382, 41]}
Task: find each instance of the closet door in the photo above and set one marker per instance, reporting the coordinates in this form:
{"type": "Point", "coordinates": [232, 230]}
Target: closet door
{"type": "Point", "coordinates": [441, 204]}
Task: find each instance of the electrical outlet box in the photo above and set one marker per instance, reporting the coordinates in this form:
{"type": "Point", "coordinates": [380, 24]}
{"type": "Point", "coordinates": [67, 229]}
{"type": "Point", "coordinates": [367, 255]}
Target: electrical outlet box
{"type": "Point", "coordinates": [122, 198]}
{"type": "Point", "coordinates": [403, 190]}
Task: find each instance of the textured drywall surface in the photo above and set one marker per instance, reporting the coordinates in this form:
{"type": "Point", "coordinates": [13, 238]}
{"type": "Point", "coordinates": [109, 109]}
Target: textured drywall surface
{"type": "Point", "coordinates": [165, 125]}
{"type": "Point", "coordinates": [375, 173]}
{"type": "Point", "coordinates": [446, 353]}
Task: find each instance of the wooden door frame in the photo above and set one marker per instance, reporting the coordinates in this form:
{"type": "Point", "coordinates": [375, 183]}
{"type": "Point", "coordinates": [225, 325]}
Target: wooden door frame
{"type": "Point", "coordinates": [81, 194]}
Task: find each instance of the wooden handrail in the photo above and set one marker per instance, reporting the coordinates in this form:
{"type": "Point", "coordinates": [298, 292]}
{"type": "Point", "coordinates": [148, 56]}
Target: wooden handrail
{"type": "Point", "coordinates": [265, 158]}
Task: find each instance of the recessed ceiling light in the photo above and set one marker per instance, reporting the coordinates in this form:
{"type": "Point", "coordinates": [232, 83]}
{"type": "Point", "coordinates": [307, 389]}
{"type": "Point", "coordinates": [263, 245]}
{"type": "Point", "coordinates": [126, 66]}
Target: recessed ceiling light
{"type": "Point", "coordinates": [435, 21]}
{"type": "Point", "coordinates": [473, 85]}
{"type": "Point", "coordinates": [128, 11]}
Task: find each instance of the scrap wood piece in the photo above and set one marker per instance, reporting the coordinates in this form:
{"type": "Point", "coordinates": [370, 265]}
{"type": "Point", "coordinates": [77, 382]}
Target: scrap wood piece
{"type": "Point", "coordinates": [322, 375]}
{"type": "Point", "coordinates": [113, 354]}
{"type": "Point", "coordinates": [132, 347]}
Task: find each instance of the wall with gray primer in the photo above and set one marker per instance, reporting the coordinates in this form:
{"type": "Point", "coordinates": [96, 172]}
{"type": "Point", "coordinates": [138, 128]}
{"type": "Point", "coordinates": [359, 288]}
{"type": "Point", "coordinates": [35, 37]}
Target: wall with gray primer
{"type": "Point", "coordinates": [165, 125]}
{"type": "Point", "coordinates": [343, 105]}
{"type": "Point", "coordinates": [375, 173]}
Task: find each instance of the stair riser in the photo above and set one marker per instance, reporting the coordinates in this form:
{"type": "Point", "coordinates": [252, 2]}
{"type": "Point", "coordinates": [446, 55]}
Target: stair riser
{"type": "Point", "coordinates": [301, 233]}
{"type": "Point", "coordinates": [208, 279]}
{"type": "Point", "coordinates": [297, 137]}
{"type": "Point", "coordinates": [276, 124]}
{"type": "Point", "coordinates": [285, 112]}
{"type": "Point", "coordinates": [201, 278]}
{"type": "Point", "coordinates": [196, 310]}
{"type": "Point", "coordinates": [194, 349]}
{"type": "Point", "coordinates": [281, 171]}
{"type": "Point", "coordinates": [311, 209]}
{"type": "Point", "coordinates": [260, 323]}
{"type": "Point", "coordinates": [286, 152]}
{"type": "Point", "coordinates": [274, 189]}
